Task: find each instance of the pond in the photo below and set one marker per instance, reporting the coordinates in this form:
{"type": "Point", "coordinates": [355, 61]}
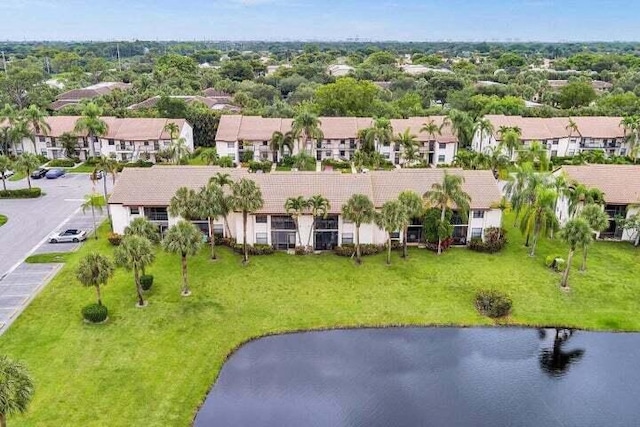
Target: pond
{"type": "Point", "coordinates": [430, 377]}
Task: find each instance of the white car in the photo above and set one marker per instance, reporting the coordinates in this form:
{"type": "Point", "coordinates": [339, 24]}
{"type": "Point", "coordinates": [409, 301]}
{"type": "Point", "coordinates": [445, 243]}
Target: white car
{"type": "Point", "coordinates": [8, 174]}
{"type": "Point", "coordinates": [70, 235]}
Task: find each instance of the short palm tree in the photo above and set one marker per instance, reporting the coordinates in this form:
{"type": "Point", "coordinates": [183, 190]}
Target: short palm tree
{"type": "Point", "coordinates": [414, 206]}
{"type": "Point", "coordinates": [135, 253]}
{"type": "Point", "coordinates": [142, 227]}
{"type": "Point", "coordinates": [319, 207]}
{"type": "Point", "coordinates": [539, 217]}
{"type": "Point", "coordinates": [5, 166]}
{"type": "Point", "coordinates": [224, 180]}
{"type": "Point", "coordinates": [91, 124]}
{"type": "Point", "coordinates": [209, 156]}
{"type": "Point", "coordinates": [446, 195]}
{"type": "Point", "coordinates": [95, 270]}
{"type": "Point", "coordinates": [69, 143]}
{"type": "Point", "coordinates": [576, 233]}
{"type": "Point", "coordinates": [184, 239]}
{"type": "Point", "coordinates": [95, 202]}
{"type": "Point", "coordinates": [184, 204]}
{"type": "Point", "coordinates": [211, 205]}
{"type": "Point", "coordinates": [431, 128]}
{"type": "Point", "coordinates": [16, 389]}
{"type": "Point", "coordinates": [598, 220]}
{"type": "Point", "coordinates": [27, 163]}
{"type": "Point", "coordinates": [359, 209]}
{"type": "Point", "coordinates": [178, 150]}
{"type": "Point", "coordinates": [246, 198]}
{"type": "Point", "coordinates": [279, 142]}
{"type": "Point", "coordinates": [510, 140]}
{"type": "Point", "coordinates": [381, 133]}
{"type": "Point", "coordinates": [37, 120]}
{"type": "Point", "coordinates": [305, 127]}
{"type": "Point", "coordinates": [296, 207]}
{"type": "Point", "coordinates": [408, 142]}
{"type": "Point", "coordinates": [392, 217]}
{"type": "Point", "coordinates": [108, 165]}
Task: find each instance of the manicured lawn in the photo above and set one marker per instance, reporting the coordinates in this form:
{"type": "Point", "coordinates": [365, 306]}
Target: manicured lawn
{"type": "Point", "coordinates": [3, 220]}
{"type": "Point", "coordinates": [53, 257]}
{"type": "Point", "coordinates": [154, 366]}
{"type": "Point", "coordinates": [17, 176]}
{"type": "Point", "coordinates": [83, 168]}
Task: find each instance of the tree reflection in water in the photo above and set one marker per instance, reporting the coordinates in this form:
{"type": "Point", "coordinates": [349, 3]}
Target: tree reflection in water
{"type": "Point", "coordinates": [554, 361]}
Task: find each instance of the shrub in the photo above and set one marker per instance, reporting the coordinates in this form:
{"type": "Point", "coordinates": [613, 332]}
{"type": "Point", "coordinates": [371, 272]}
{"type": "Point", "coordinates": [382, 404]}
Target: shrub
{"type": "Point", "coordinates": [444, 245]}
{"type": "Point", "coordinates": [95, 313]}
{"type": "Point", "coordinates": [138, 164]}
{"type": "Point", "coordinates": [264, 166]}
{"type": "Point", "coordinates": [91, 161]}
{"type": "Point", "coordinates": [146, 281]}
{"type": "Point", "coordinates": [21, 193]}
{"type": "Point", "coordinates": [61, 163]}
{"type": "Point", "coordinates": [494, 241]}
{"type": "Point", "coordinates": [493, 304]}
{"type": "Point", "coordinates": [114, 238]}
{"type": "Point", "coordinates": [225, 162]}
{"type": "Point", "coordinates": [247, 156]}
{"type": "Point", "coordinates": [555, 263]}
{"type": "Point", "coordinates": [257, 249]}
{"type": "Point", "coordinates": [42, 159]}
{"type": "Point", "coordinates": [303, 250]}
{"type": "Point", "coordinates": [348, 249]}
{"type": "Point", "coordinates": [336, 164]}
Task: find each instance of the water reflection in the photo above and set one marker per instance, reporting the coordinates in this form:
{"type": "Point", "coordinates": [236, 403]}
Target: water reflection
{"type": "Point", "coordinates": [556, 361]}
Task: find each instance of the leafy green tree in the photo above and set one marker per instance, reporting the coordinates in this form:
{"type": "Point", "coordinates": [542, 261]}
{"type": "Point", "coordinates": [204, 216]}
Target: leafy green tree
{"type": "Point", "coordinates": [598, 221]}
{"type": "Point", "coordinates": [16, 389]}
{"type": "Point", "coordinates": [414, 206]}
{"type": "Point", "coordinates": [306, 126]}
{"type": "Point", "coordinates": [95, 270]}
{"type": "Point", "coordinates": [26, 164]}
{"type": "Point", "coordinates": [632, 225]}
{"type": "Point", "coordinates": [183, 239]}
{"type": "Point", "coordinates": [135, 253]}
{"type": "Point", "coordinates": [91, 124]}
{"type": "Point", "coordinates": [576, 94]}
{"type": "Point", "coordinates": [576, 233]}
{"type": "Point", "coordinates": [510, 140]}
{"type": "Point", "coordinates": [319, 206]}
{"type": "Point", "coordinates": [211, 205]}
{"type": "Point", "coordinates": [296, 207]}
{"type": "Point", "coordinates": [359, 209]}
{"type": "Point", "coordinates": [447, 194]}
{"type": "Point", "coordinates": [246, 198]}
{"type": "Point", "coordinates": [5, 166]}
{"type": "Point", "coordinates": [347, 97]}
{"type": "Point", "coordinates": [184, 204]}
{"type": "Point", "coordinates": [392, 217]}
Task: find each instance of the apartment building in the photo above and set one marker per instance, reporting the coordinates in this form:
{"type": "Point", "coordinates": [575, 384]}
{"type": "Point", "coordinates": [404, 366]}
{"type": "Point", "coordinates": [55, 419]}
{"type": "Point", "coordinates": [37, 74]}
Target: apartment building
{"type": "Point", "coordinates": [237, 134]}
{"type": "Point", "coordinates": [147, 192]}
{"type": "Point", "coordinates": [127, 140]}
{"type": "Point", "coordinates": [561, 140]}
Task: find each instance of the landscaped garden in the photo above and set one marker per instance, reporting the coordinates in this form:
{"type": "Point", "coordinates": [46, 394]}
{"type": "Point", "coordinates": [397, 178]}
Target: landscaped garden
{"type": "Point", "coordinates": [3, 220]}
{"type": "Point", "coordinates": [153, 366]}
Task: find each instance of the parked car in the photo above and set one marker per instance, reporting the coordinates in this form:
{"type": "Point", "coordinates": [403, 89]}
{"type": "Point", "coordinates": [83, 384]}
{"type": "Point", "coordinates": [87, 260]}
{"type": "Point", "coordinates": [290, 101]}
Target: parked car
{"type": "Point", "coordinates": [39, 173]}
{"type": "Point", "coordinates": [8, 174]}
{"type": "Point", "coordinates": [71, 235]}
{"type": "Point", "coordinates": [55, 173]}
{"type": "Point", "coordinates": [99, 174]}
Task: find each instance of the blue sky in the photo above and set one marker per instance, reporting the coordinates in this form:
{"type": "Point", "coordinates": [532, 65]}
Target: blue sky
{"type": "Point", "coordinates": [474, 20]}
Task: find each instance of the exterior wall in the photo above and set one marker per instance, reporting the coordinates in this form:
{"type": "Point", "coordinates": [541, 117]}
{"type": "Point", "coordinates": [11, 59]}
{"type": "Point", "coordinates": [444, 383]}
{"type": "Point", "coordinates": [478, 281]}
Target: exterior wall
{"type": "Point", "coordinates": [631, 211]}
{"type": "Point", "coordinates": [120, 218]}
{"type": "Point", "coordinates": [492, 218]}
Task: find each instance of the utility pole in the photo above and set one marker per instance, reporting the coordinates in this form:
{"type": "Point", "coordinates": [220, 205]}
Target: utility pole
{"type": "Point", "coordinates": [118, 54]}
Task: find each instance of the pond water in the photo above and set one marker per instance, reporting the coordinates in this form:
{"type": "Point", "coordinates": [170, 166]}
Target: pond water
{"type": "Point", "coordinates": [430, 377]}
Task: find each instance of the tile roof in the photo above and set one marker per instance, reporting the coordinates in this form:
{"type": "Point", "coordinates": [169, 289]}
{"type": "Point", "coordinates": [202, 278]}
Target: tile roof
{"type": "Point", "coordinates": [211, 102]}
{"type": "Point", "coordinates": [254, 128]}
{"type": "Point", "coordinates": [155, 186]}
{"type": "Point", "coordinates": [92, 91]}
{"type": "Point", "coordinates": [127, 129]}
{"type": "Point", "coordinates": [215, 93]}
{"type": "Point", "coordinates": [556, 127]}
{"type": "Point", "coordinates": [620, 183]}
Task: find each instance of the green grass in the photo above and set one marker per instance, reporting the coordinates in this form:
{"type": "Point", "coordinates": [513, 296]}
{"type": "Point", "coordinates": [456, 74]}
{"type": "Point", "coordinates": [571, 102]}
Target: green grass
{"type": "Point", "coordinates": [83, 168]}
{"type": "Point", "coordinates": [17, 176]}
{"type": "Point", "coordinates": [3, 220]}
{"type": "Point", "coordinates": [49, 258]}
{"type": "Point", "coordinates": [154, 366]}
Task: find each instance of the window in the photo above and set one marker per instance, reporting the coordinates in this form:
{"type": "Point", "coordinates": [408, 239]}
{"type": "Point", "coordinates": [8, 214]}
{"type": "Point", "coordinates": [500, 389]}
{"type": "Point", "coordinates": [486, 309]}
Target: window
{"type": "Point", "coordinates": [623, 151]}
{"type": "Point", "coordinates": [42, 139]}
{"type": "Point", "coordinates": [282, 222]}
{"type": "Point", "coordinates": [555, 142]}
{"type": "Point", "coordinates": [478, 214]}
{"type": "Point", "coordinates": [346, 221]}
{"type": "Point", "coordinates": [218, 229]}
{"type": "Point", "coordinates": [156, 213]}
{"type": "Point", "coordinates": [441, 158]}
{"type": "Point", "coordinates": [146, 143]}
{"type": "Point", "coordinates": [342, 153]}
{"type": "Point", "coordinates": [442, 146]}
{"type": "Point", "coordinates": [347, 238]}
{"type": "Point", "coordinates": [554, 153]}
{"type": "Point", "coordinates": [476, 233]}
{"type": "Point", "coordinates": [261, 219]}
{"type": "Point", "coordinates": [261, 239]}
{"type": "Point", "coordinates": [111, 142]}
{"type": "Point", "coordinates": [231, 145]}
{"type": "Point", "coordinates": [134, 210]}
{"type": "Point", "coordinates": [571, 152]}
{"type": "Point", "coordinates": [43, 152]}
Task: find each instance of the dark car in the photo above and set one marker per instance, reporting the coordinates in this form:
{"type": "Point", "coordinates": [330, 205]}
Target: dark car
{"type": "Point", "coordinates": [55, 173]}
{"type": "Point", "coordinates": [39, 173]}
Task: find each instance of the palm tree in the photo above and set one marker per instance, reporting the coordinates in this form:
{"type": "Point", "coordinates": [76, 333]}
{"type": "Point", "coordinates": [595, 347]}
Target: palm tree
{"type": "Point", "coordinates": [414, 206]}
{"type": "Point", "coordinates": [408, 142]}
{"type": "Point", "coordinates": [183, 239]}
{"type": "Point", "coordinates": [536, 154]}
{"type": "Point", "coordinates": [16, 389]}
{"type": "Point", "coordinates": [381, 133]}
{"type": "Point", "coordinates": [224, 180]}
{"type": "Point", "coordinates": [511, 141]}
{"type": "Point", "coordinates": [142, 227]}
{"type": "Point", "coordinates": [5, 166]}
{"type": "Point", "coordinates": [392, 217]}
{"type": "Point", "coordinates": [69, 143]}
{"type": "Point", "coordinates": [209, 156]}
{"type": "Point", "coordinates": [280, 141]}
{"type": "Point", "coordinates": [178, 149]}
{"type": "Point", "coordinates": [516, 186]}
{"type": "Point", "coordinates": [598, 220]}
{"type": "Point", "coordinates": [431, 129]}
{"type": "Point", "coordinates": [91, 124]}
{"type": "Point", "coordinates": [95, 270]}
{"type": "Point", "coordinates": [106, 165]}
{"type": "Point", "coordinates": [580, 196]}
{"type": "Point", "coordinates": [319, 206]}
{"type": "Point", "coordinates": [95, 202]}
{"type": "Point", "coordinates": [495, 159]}
{"type": "Point", "coordinates": [135, 253]}
{"type": "Point", "coordinates": [572, 127]}
{"type": "Point", "coordinates": [173, 129]}
{"type": "Point", "coordinates": [38, 123]}
{"type": "Point", "coordinates": [210, 206]}
{"type": "Point", "coordinates": [576, 233]}
{"type": "Point", "coordinates": [504, 205]}
{"type": "Point", "coordinates": [359, 209]}
{"type": "Point", "coordinates": [539, 216]}
{"type": "Point", "coordinates": [184, 204]}
{"type": "Point", "coordinates": [306, 126]}
{"type": "Point", "coordinates": [8, 115]}
{"type": "Point", "coordinates": [447, 194]}
{"type": "Point", "coordinates": [247, 198]}
{"type": "Point", "coordinates": [631, 125]}
{"type": "Point", "coordinates": [483, 127]}
{"type": "Point", "coordinates": [462, 126]}
{"type": "Point", "coordinates": [296, 206]}
{"type": "Point", "coordinates": [27, 163]}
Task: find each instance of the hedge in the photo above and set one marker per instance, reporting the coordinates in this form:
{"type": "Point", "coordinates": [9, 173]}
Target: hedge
{"type": "Point", "coordinates": [21, 193]}
{"type": "Point", "coordinates": [61, 163]}
{"type": "Point", "coordinates": [494, 241]}
{"type": "Point", "coordinates": [349, 249]}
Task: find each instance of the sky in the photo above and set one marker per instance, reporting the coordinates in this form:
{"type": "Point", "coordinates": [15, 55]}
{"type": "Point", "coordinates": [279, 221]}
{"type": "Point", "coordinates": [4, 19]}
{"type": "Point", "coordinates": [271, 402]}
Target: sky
{"type": "Point", "coordinates": [410, 20]}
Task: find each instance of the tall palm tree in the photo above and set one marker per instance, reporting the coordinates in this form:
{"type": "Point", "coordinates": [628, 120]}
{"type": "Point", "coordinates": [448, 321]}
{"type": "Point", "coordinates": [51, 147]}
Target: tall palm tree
{"type": "Point", "coordinates": [319, 206]}
{"type": "Point", "coordinates": [296, 206]}
{"type": "Point", "coordinates": [580, 196]}
{"type": "Point", "coordinates": [184, 204]}
{"type": "Point", "coordinates": [392, 217]}
{"type": "Point", "coordinates": [576, 233]}
{"type": "Point", "coordinates": [91, 124]}
{"type": "Point", "coordinates": [247, 198]}
{"type": "Point", "coordinates": [172, 129]}
{"type": "Point", "coordinates": [37, 120]}
{"type": "Point", "coordinates": [210, 206]}
{"type": "Point", "coordinates": [359, 209]}
{"type": "Point", "coordinates": [598, 220]}
{"type": "Point", "coordinates": [183, 239]}
{"type": "Point", "coordinates": [224, 180]}
{"type": "Point", "coordinates": [8, 115]}
{"type": "Point", "coordinates": [5, 166]}
{"type": "Point", "coordinates": [483, 127]}
{"type": "Point", "coordinates": [178, 150]}
{"type": "Point", "coordinates": [510, 141]}
{"type": "Point", "coordinates": [631, 126]}
{"type": "Point", "coordinates": [431, 129]}
{"type": "Point", "coordinates": [381, 133]}
{"type": "Point", "coordinates": [516, 186]}
{"type": "Point", "coordinates": [106, 165]}
{"type": "Point", "coordinates": [95, 270]}
{"type": "Point", "coordinates": [408, 142]}
{"type": "Point", "coordinates": [494, 158]}
{"type": "Point", "coordinates": [539, 218]}
{"type": "Point", "coordinates": [446, 195]}
{"type": "Point", "coordinates": [135, 253]}
{"type": "Point", "coordinates": [27, 163]}
{"type": "Point", "coordinates": [280, 141]}
{"type": "Point", "coordinates": [414, 206]}
{"type": "Point", "coordinates": [572, 128]}
{"type": "Point", "coordinates": [69, 143]}
{"type": "Point", "coordinates": [535, 154]}
{"type": "Point", "coordinates": [462, 126]}
{"type": "Point", "coordinates": [503, 205]}
{"type": "Point", "coordinates": [95, 202]}
{"type": "Point", "coordinates": [305, 127]}
{"type": "Point", "coordinates": [21, 130]}
{"type": "Point", "coordinates": [16, 389]}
